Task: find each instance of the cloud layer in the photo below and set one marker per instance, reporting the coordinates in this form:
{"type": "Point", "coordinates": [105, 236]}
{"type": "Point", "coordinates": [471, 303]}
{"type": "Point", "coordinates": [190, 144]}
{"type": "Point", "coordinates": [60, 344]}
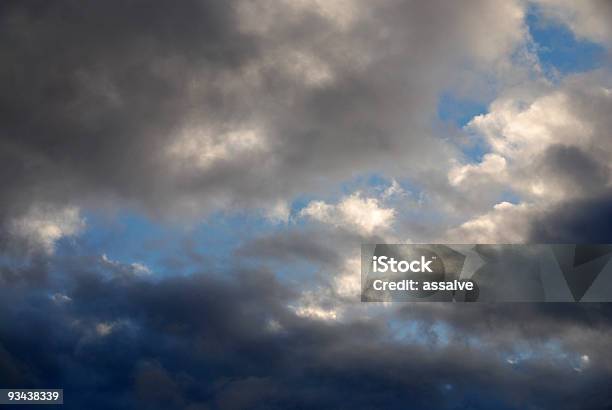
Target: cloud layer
{"type": "Point", "coordinates": [208, 342]}
{"type": "Point", "coordinates": [252, 147]}
{"type": "Point", "coordinates": [194, 106]}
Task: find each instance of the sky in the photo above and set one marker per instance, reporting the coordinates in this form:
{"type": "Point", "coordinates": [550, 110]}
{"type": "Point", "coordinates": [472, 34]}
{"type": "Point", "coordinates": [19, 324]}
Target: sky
{"type": "Point", "coordinates": [186, 185]}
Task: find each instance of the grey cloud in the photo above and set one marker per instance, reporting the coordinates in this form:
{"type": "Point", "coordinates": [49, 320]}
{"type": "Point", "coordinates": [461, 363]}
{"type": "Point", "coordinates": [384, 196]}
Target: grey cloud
{"type": "Point", "coordinates": [95, 93]}
{"type": "Point", "coordinates": [203, 341]}
{"type": "Point", "coordinates": [573, 168]}
{"type": "Point", "coordinates": [310, 245]}
{"type": "Point", "coordinates": [584, 220]}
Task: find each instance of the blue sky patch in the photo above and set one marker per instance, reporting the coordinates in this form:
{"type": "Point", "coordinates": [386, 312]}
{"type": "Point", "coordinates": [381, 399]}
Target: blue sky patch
{"type": "Point", "coordinates": [559, 49]}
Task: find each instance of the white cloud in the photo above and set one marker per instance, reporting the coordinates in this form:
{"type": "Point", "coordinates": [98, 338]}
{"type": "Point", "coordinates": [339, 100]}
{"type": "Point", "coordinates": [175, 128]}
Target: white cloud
{"type": "Point", "coordinates": [278, 212]}
{"type": "Point", "coordinates": [60, 298]}
{"type": "Point", "coordinates": [347, 284]}
{"type": "Point", "coordinates": [363, 215]}
{"type": "Point", "coordinates": [140, 268]}
{"type": "Point", "coordinates": [204, 148]}
{"type": "Point", "coordinates": [312, 305]}
{"type": "Point", "coordinates": [521, 130]}
{"type": "Point", "coordinates": [522, 133]}
{"type": "Point", "coordinates": [104, 328]}
{"type": "Point", "coordinates": [506, 223]}
{"type": "Point", "coordinates": [546, 146]}
{"type": "Point", "coordinates": [136, 268]}
{"type": "Point", "coordinates": [582, 363]}
{"type": "Point", "coordinates": [395, 189]}
{"type": "Point", "coordinates": [492, 166]}
{"type": "Point", "coordinates": [43, 226]}
{"type": "Point", "coordinates": [316, 312]}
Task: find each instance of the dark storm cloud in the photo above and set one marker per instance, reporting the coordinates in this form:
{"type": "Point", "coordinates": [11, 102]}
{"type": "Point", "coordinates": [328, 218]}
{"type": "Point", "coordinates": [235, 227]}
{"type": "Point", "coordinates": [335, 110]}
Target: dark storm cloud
{"type": "Point", "coordinates": [230, 342]}
{"type": "Point", "coordinates": [32, 271]}
{"type": "Point", "coordinates": [93, 94]}
{"type": "Point", "coordinates": [584, 220]}
{"type": "Point", "coordinates": [504, 324]}
{"type": "Point", "coordinates": [573, 170]}
{"type": "Point", "coordinates": [87, 102]}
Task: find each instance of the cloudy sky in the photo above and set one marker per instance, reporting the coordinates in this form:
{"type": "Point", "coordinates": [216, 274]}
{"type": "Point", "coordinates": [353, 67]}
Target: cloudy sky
{"type": "Point", "coordinates": [185, 187]}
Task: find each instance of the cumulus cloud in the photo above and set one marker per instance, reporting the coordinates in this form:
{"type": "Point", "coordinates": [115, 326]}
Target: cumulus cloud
{"type": "Point", "coordinates": [538, 139]}
{"type": "Point", "coordinates": [134, 268]}
{"type": "Point", "coordinates": [195, 146]}
{"type": "Point", "coordinates": [506, 223]}
{"type": "Point", "coordinates": [364, 215]}
{"type": "Point", "coordinates": [43, 226]}
{"type": "Point", "coordinates": [312, 309]}
{"type": "Point", "coordinates": [549, 149]}
{"type": "Point", "coordinates": [493, 166]}
{"type": "Point", "coordinates": [348, 283]}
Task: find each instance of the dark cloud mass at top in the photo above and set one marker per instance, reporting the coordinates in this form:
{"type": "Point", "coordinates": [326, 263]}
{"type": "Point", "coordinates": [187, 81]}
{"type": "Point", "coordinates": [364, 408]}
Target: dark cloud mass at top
{"type": "Point", "coordinates": [197, 108]}
{"type": "Point", "coordinates": [109, 101]}
{"type": "Point", "coordinates": [92, 92]}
